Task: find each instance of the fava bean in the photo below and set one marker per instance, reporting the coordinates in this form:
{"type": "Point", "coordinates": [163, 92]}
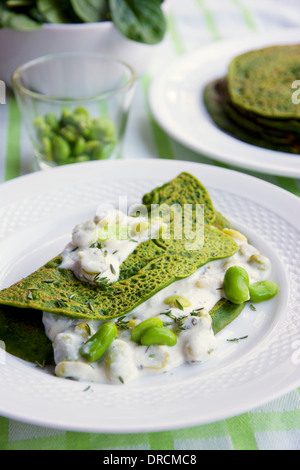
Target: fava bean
{"type": "Point", "coordinates": [79, 146]}
{"type": "Point", "coordinates": [47, 148]}
{"type": "Point", "coordinates": [60, 149]}
{"type": "Point", "coordinates": [236, 285]}
{"type": "Point", "coordinates": [140, 329]}
{"type": "Point", "coordinates": [158, 336]}
{"type": "Point", "coordinates": [95, 347]}
{"type": "Point", "coordinates": [263, 290]}
{"type": "Point", "coordinates": [177, 301]}
{"type": "Point", "coordinates": [69, 133]}
{"type": "Point", "coordinates": [52, 120]}
{"type": "Point", "coordinates": [73, 135]}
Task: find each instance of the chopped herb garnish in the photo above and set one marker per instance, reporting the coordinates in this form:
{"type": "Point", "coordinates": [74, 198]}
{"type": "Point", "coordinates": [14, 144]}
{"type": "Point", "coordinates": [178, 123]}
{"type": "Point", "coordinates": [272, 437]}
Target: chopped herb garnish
{"type": "Point", "coordinates": [96, 244]}
{"type": "Point", "coordinates": [114, 252]}
{"type": "Point", "coordinates": [48, 281]}
{"type": "Point", "coordinates": [29, 295]}
{"type": "Point", "coordinates": [178, 304]}
{"type": "Point", "coordinates": [112, 269]}
{"type": "Point", "coordinates": [122, 323]}
{"type": "Point", "coordinates": [121, 379]}
{"type": "Point", "coordinates": [252, 307]}
{"type": "Point", "coordinates": [87, 388]}
{"type": "Point", "coordinates": [40, 365]}
{"type": "Point", "coordinates": [196, 311]}
{"type": "Point", "coordinates": [236, 340]}
{"type": "Point", "coordinates": [61, 303]}
{"type": "Point", "coordinates": [90, 305]}
{"type": "Point", "coordinates": [177, 320]}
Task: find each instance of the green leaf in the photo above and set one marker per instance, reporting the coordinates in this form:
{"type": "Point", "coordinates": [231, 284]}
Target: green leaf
{"type": "Point", "coordinates": [223, 313]}
{"type": "Point", "coordinates": [10, 19]}
{"type": "Point", "coordinates": [90, 11]}
{"type": "Point", "coordinates": [23, 334]}
{"type": "Point", "coordinates": [54, 11]}
{"type": "Point", "coordinates": [139, 20]}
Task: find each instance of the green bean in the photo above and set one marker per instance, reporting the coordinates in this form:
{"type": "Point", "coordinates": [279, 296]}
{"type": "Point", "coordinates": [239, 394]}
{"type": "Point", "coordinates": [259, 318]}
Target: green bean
{"type": "Point", "coordinates": [82, 112]}
{"type": "Point", "coordinates": [60, 148]}
{"type": "Point", "coordinates": [52, 120]}
{"type": "Point", "coordinates": [79, 158]}
{"type": "Point", "coordinates": [158, 336]}
{"type": "Point", "coordinates": [79, 146]}
{"type": "Point", "coordinates": [140, 329]}
{"type": "Point", "coordinates": [94, 348]}
{"type": "Point", "coordinates": [69, 133]}
{"type": "Point", "coordinates": [91, 145]}
{"type": "Point", "coordinates": [236, 285]}
{"type": "Point", "coordinates": [102, 128]}
{"type": "Point", "coordinates": [263, 290]}
{"type": "Point", "coordinates": [47, 148]}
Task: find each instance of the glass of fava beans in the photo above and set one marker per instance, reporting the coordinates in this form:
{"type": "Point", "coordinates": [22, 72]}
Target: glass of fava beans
{"type": "Point", "coordinates": [75, 106]}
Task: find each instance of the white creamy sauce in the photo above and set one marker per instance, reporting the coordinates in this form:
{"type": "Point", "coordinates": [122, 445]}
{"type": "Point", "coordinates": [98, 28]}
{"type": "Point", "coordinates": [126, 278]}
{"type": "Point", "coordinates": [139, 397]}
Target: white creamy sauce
{"type": "Point", "coordinates": [99, 247]}
{"type": "Point", "coordinates": [126, 359]}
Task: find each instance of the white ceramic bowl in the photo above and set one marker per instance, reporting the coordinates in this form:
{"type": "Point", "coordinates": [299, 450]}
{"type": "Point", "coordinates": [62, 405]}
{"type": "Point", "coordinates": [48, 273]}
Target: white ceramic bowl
{"type": "Point", "coordinates": [18, 47]}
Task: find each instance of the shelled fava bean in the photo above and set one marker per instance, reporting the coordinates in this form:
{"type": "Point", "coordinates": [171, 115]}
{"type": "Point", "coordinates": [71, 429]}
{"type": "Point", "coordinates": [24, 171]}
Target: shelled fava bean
{"type": "Point", "coordinates": [75, 136]}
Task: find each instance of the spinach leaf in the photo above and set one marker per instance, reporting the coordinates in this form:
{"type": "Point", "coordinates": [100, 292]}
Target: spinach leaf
{"type": "Point", "coordinates": [20, 21]}
{"type": "Point", "coordinates": [90, 11]}
{"type": "Point", "coordinates": [139, 20]}
{"type": "Point", "coordinates": [54, 11]}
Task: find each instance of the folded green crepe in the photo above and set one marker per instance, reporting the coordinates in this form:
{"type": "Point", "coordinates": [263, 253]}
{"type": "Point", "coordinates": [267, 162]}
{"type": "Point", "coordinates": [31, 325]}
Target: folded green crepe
{"type": "Point", "coordinates": [152, 266]}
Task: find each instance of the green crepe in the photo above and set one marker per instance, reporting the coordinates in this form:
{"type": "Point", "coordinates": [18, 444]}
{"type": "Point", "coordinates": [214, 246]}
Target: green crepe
{"type": "Point", "coordinates": [246, 127]}
{"type": "Point", "coordinates": [260, 81]}
{"type": "Point", "coordinates": [151, 267]}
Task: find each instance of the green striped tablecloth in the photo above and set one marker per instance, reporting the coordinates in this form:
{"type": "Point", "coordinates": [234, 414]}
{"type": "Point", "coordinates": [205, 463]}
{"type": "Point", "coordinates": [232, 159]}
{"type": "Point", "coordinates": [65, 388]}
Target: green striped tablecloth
{"type": "Point", "coordinates": [191, 23]}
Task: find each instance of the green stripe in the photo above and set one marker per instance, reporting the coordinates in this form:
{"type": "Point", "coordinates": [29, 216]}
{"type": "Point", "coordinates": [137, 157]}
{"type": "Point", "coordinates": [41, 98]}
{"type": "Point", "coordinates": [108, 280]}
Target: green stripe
{"type": "Point", "coordinates": [12, 169]}
{"type": "Point", "coordinates": [205, 431]}
{"type": "Point", "coordinates": [174, 34]}
{"type": "Point", "coordinates": [246, 14]}
{"type": "Point", "coordinates": [241, 433]}
{"type": "Point", "coordinates": [161, 441]}
{"type": "Point", "coordinates": [161, 139]}
{"type": "Point", "coordinates": [288, 184]}
{"type": "Point", "coordinates": [117, 441]}
{"type": "Point", "coordinates": [276, 421]}
{"type": "Point", "coordinates": [4, 422]}
{"type": "Point", "coordinates": [209, 20]}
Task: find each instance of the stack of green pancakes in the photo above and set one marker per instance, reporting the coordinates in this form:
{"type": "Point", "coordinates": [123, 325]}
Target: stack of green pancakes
{"type": "Point", "coordinates": [254, 102]}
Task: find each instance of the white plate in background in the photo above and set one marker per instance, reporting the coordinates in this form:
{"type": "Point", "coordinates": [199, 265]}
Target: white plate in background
{"type": "Point", "coordinates": [175, 99]}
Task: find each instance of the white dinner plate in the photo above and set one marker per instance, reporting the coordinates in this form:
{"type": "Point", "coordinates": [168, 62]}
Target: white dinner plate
{"type": "Point", "coordinates": [176, 102]}
{"type": "Point", "coordinates": [37, 214]}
